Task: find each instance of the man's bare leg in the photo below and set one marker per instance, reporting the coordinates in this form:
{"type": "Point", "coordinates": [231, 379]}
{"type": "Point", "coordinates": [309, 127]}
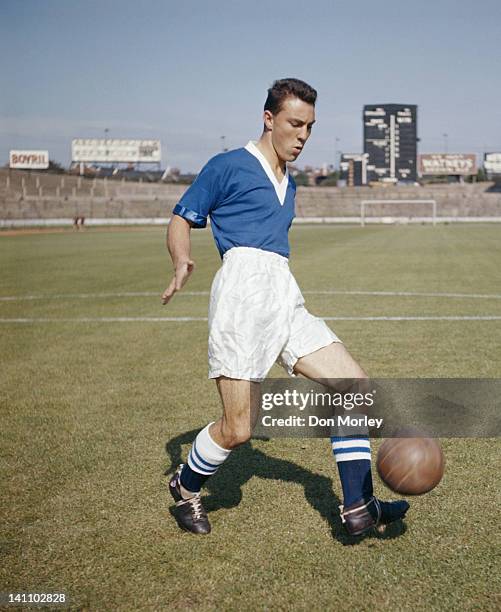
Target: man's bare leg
{"type": "Point", "coordinates": [240, 399]}
{"type": "Point", "coordinates": [212, 446]}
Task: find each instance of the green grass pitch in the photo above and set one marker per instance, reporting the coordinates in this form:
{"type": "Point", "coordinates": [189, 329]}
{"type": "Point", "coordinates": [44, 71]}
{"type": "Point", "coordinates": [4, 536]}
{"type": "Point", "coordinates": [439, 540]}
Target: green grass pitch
{"type": "Point", "coordinates": [94, 412]}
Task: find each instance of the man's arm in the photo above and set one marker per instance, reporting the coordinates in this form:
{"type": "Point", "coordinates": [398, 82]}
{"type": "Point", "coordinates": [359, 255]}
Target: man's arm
{"type": "Point", "coordinates": [179, 246]}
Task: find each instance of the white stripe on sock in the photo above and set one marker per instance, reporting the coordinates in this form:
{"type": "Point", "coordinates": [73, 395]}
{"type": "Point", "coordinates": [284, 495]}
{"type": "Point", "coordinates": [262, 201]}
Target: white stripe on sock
{"type": "Point", "coordinates": [352, 456]}
{"type": "Point", "coordinates": [198, 467]}
{"type": "Point", "coordinates": [205, 451]}
{"type": "Point", "coordinates": [351, 444]}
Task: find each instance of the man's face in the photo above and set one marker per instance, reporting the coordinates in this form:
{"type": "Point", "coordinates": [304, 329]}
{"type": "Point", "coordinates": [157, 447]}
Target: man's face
{"type": "Point", "coordinates": [290, 127]}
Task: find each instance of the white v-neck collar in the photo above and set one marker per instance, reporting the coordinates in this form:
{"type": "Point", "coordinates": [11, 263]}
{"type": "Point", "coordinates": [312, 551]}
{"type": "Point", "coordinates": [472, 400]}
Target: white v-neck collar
{"type": "Point", "coordinates": [280, 188]}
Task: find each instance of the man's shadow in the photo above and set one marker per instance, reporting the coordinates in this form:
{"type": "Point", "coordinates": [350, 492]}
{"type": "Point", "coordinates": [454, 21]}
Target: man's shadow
{"type": "Point", "coordinates": [225, 487]}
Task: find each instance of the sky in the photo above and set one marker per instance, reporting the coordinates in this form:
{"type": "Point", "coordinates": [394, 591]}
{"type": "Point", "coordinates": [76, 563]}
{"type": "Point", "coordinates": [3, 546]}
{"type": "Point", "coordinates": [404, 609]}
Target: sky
{"type": "Point", "coordinates": [191, 72]}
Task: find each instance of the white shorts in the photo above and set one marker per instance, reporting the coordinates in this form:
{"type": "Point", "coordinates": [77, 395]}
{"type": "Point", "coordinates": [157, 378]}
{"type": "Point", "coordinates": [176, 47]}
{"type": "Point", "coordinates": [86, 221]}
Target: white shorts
{"type": "Point", "coordinates": [257, 317]}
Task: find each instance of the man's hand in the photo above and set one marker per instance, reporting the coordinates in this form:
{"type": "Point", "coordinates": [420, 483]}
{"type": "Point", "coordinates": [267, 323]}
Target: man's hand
{"type": "Point", "coordinates": [181, 274]}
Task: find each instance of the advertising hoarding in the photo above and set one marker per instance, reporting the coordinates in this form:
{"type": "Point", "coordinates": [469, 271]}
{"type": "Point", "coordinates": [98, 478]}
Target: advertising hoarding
{"type": "Point", "coordinates": [113, 150]}
{"type": "Point", "coordinates": [492, 163]}
{"type": "Point", "coordinates": [439, 164]}
{"type": "Point", "coordinates": [29, 159]}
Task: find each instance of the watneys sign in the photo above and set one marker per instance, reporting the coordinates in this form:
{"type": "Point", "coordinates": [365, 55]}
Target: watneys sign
{"type": "Point", "coordinates": [447, 163]}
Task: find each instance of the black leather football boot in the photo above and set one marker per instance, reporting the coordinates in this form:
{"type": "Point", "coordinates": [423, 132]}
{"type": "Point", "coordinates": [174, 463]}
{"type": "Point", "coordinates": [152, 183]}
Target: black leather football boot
{"type": "Point", "coordinates": [364, 516]}
{"type": "Point", "coordinates": [190, 513]}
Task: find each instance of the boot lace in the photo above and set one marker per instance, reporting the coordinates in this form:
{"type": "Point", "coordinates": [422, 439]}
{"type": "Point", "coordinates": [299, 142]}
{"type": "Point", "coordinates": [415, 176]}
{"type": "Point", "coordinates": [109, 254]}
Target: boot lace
{"type": "Point", "coordinates": [197, 510]}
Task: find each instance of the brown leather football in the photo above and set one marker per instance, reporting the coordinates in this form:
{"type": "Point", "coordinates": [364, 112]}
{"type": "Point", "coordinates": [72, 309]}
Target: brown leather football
{"type": "Point", "coordinates": [411, 466]}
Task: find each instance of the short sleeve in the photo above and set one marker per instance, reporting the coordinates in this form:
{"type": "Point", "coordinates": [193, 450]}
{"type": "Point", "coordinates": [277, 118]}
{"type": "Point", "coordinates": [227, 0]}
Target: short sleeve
{"type": "Point", "coordinates": [201, 197]}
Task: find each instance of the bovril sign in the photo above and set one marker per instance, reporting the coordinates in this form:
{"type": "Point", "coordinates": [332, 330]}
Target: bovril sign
{"type": "Point", "coordinates": [29, 160]}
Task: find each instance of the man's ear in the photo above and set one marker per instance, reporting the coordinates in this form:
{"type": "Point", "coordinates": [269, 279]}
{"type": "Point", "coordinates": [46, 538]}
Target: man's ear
{"type": "Point", "coordinates": [268, 120]}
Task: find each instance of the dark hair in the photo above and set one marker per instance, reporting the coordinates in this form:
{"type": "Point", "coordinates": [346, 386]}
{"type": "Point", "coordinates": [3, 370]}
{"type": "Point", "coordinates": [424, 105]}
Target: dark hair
{"type": "Point", "coordinates": [287, 88]}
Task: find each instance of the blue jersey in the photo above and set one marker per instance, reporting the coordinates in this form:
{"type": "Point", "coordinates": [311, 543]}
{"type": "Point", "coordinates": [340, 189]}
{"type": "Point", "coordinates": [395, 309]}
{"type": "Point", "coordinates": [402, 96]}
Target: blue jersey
{"type": "Point", "coordinates": [246, 204]}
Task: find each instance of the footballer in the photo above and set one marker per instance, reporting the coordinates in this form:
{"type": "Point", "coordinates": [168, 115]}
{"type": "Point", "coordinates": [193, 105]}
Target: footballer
{"type": "Point", "coordinates": [257, 314]}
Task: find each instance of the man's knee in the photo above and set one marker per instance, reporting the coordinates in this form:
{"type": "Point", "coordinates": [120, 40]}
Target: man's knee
{"type": "Point", "coordinates": [235, 434]}
{"type": "Point", "coordinates": [332, 362]}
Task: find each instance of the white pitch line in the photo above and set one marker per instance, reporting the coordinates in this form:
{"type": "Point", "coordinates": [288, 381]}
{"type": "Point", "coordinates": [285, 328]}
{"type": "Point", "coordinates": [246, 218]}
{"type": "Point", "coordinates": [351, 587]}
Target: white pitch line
{"type": "Point", "coordinates": [494, 296]}
{"type": "Point", "coordinates": [62, 296]}
{"type": "Point", "coordinates": [190, 319]}
{"type": "Point", "coordinates": [102, 319]}
{"type": "Point", "coordinates": [423, 318]}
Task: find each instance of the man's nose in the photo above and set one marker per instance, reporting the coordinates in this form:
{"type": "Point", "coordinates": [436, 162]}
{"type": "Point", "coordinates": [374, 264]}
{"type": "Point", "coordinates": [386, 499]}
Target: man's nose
{"type": "Point", "coordinates": [303, 134]}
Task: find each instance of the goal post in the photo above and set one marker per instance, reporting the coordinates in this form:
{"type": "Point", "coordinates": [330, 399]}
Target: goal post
{"type": "Point", "coordinates": [390, 219]}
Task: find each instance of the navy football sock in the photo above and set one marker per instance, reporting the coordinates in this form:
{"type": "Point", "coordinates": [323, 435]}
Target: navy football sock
{"type": "Point", "coordinates": [191, 480]}
{"type": "Point", "coordinates": [356, 480]}
{"type": "Point", "coordinates": [353, 458]}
